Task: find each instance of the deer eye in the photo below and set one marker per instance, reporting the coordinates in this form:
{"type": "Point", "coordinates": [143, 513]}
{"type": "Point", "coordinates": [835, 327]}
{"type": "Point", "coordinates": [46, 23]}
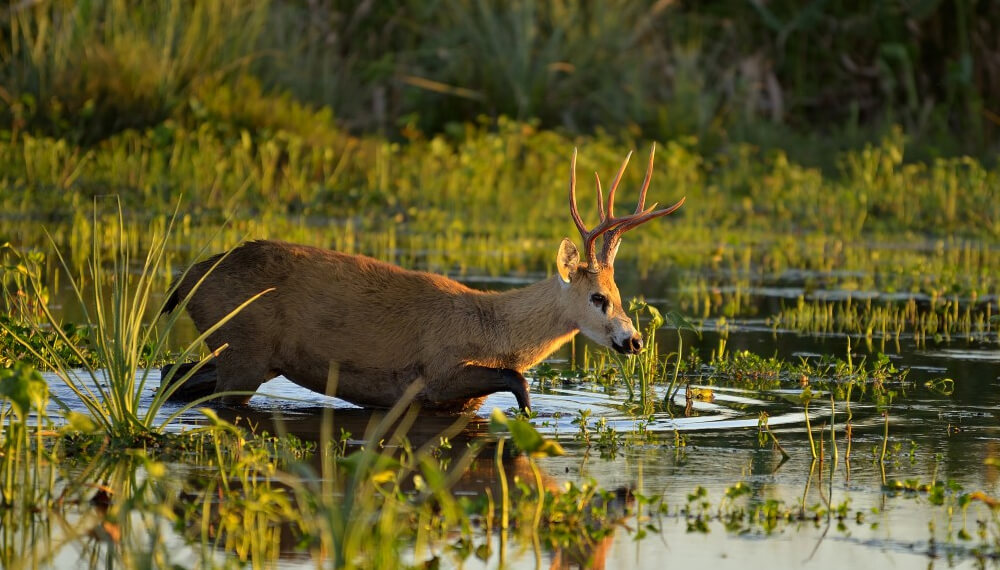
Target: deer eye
{"type": "Point", "coordinates": [600, 301]}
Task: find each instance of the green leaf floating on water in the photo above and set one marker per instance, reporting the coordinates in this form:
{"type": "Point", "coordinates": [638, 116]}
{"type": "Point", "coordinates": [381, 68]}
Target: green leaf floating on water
{"type": "Point", "coordinates": [804, 397]}
{"type": "Point", "coordinates": [524, 435]}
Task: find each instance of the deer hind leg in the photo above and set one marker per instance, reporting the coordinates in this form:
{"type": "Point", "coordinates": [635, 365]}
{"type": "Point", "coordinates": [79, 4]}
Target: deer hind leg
{"type": "Point", "coordinates": [200, 384]}
{"type": "Point", "coordinates": [470, 384]}
{"type": "Point", "coordinates": [242, 370]}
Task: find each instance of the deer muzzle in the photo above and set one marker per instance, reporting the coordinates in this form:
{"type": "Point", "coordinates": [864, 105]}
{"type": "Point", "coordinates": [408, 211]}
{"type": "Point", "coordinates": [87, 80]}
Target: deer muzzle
{"type": "Point", "coordinates": [631, 345]}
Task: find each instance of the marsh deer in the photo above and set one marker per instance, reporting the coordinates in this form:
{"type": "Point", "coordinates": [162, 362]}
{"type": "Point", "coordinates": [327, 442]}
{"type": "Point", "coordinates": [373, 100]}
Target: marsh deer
{"type": "Point", "coordinates": [384, 327]}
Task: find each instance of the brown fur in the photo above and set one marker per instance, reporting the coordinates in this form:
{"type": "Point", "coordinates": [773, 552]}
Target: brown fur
{"type": "Point", "coordinates": [384, 327]}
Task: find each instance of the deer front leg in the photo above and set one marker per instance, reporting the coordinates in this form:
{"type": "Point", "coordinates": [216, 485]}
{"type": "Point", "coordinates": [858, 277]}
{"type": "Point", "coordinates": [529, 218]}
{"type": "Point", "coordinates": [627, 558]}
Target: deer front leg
{"type": "Point", "coordinates": [475, 382]}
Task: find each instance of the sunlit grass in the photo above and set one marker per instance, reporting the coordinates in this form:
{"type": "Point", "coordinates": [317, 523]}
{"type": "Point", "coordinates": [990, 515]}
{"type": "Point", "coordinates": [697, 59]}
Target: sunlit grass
{"type": "Point", "coordinates": [931, 320]}
{"type": "Point", "coordinates": [116, 297]}
{"type": "Point", "coordinates": [503, 183]}
{"type": "Point", "coordinates": [492, 202]}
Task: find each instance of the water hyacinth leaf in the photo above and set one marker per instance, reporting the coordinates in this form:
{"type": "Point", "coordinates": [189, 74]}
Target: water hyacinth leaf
{"type": "Point", "coordinates": [737, 490]}
{"type": "Point", "coordinates": [703, 394]}
{"type": "Point", "coordinates": [24, 388]}
{"type": "Point", "coordinates": [804, 397]}
{"type": "Point", "coordinates": [655, 317]}
{"type": "Point", "coordinates": [680, 322]}
{"type": "Point", "coordinates": [524, 435]}
{"type": "Point", "coordinates": [943, 386]}
{"type": "Point", "coordinates": [381, 469]}
{"type": "Point", "coordinates": [498, 421]}
{"type": "Point", "coordinates": [79, 423]}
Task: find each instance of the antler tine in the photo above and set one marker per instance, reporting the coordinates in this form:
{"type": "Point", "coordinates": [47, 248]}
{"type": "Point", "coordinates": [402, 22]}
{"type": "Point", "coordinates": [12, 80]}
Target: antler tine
{"type": "Point", "coordinates": [600, 198]}
{"type": "Point", "coordinates": [645, 183]}
{"type": "Point", "coordinates": [612, 238]}
{"type": "Point", "coordinates": [589, 237]}
{"type": "Point", "coordinates": [572, 197]}
{"type": "Point", "coordinates": [614, 187]}
{"type": "Point", "coordinates": [607, 221]}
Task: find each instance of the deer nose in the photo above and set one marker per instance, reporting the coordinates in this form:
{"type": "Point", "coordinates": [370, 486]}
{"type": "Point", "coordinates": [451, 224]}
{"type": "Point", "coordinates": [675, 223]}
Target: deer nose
{"type": "Point", "coordinates": [634, 344]}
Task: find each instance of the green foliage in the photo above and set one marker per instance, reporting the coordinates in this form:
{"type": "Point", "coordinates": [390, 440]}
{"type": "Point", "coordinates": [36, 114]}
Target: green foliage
{"type": "Point", "coordinates": [121, 343]}
{"type": "Point", "coordinates": [500, 187]}
{"type": "Point", "coordinates": [20, 343]}
{"type": "Point", "coordinates": [24, 388]}
{"type": "Point", "coordinates": [21, 299]}
{"type": "Point", "coordinates": [88, 69]}
{"type": "Point", "coordinates": [524, 435]}
{"type": "Point", "coordinates": [26, 472]}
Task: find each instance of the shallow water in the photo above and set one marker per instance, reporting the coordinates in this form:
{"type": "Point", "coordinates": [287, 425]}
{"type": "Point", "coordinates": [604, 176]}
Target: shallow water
{"type": "Point", "coordinates": [932, 437]}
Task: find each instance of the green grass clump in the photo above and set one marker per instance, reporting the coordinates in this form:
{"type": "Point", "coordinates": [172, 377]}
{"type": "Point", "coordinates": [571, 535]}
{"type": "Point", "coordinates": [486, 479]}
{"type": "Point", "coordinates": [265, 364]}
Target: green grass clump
{"type": "Point", "coordinates": [940, 320]}
{"type": "Point", "coordinates": [121, 344]}
{"type": "Point", "coordinates": [486, 201]}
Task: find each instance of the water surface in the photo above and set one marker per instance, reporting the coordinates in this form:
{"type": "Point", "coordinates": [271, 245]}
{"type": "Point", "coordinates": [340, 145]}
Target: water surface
{"type": "Point", "coordinates": [933, 435]}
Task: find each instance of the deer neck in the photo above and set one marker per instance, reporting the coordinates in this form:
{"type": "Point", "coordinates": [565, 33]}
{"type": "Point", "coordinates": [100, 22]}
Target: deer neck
{"type": "Point", "coordinates": [523, 325]}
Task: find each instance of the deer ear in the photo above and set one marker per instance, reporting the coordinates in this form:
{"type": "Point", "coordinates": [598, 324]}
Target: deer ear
{"type": "Point", "coordinates": [567, 260]}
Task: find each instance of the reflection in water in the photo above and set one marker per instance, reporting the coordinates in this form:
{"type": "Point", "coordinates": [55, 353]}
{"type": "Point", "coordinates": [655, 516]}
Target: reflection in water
{"type": "Point", "coordinates": [477, 481]}
{"type": "Point", "coordinates": [824, 513]}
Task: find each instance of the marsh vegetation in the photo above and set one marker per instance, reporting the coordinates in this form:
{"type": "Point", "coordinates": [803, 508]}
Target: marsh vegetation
{"type": "Point", "coordinates": [822, 360]}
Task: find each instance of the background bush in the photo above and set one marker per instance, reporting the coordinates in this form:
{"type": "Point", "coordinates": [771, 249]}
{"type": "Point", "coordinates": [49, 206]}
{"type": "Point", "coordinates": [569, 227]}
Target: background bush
{"type": "Point", "coordinates": [805, 76]}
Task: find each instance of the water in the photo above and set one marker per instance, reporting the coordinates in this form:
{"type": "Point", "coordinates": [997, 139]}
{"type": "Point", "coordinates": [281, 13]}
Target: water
{"type": "Point", "coordinates": [933, 436]}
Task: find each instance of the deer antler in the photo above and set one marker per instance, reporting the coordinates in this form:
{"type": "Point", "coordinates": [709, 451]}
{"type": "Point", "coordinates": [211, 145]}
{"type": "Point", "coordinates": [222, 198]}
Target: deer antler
{"type": "Point", "coordinates": [590, 236]}
{"type": "Point", "coordinates": [611, 227]}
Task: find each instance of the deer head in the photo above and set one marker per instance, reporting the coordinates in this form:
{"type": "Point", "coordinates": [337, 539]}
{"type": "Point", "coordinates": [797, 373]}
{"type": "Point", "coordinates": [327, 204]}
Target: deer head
{"type": "Point", "coordinates": [590, 292]}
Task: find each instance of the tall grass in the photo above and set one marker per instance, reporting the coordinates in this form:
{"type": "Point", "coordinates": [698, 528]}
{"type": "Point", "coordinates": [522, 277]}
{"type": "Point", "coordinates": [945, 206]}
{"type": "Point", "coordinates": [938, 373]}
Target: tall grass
{"type": "Point", "coordinates": [115, 382]}
{"type": "Point", "coordinates": [89, 69]}
{"type": "Point", "coordinates": [505, 180]}
{"type": "Point", "coordinates": [494, 202]}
